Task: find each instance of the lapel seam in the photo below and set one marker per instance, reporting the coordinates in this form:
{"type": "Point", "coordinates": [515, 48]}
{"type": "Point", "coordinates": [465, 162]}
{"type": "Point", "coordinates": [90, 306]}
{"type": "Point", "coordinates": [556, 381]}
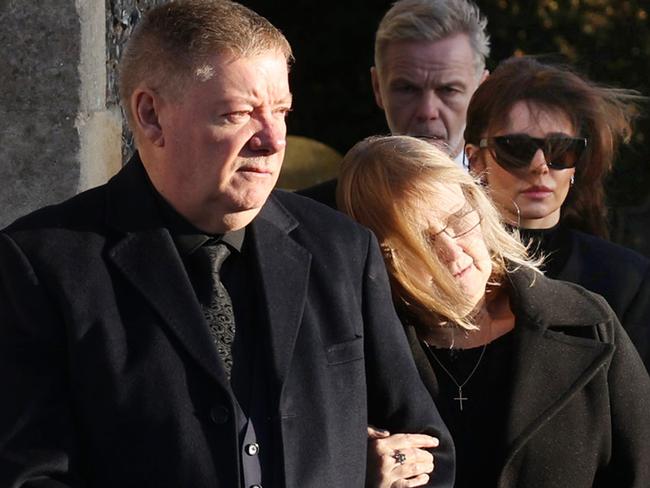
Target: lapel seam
{"type": "Point", "coordinates": [288, 251]}
{"type": "Point", "coordinates": [119, 255]}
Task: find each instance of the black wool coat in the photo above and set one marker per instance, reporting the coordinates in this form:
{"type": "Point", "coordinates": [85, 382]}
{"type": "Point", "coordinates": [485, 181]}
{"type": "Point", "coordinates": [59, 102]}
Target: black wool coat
{"type": "Point", "coordinates": [110, 378]}
{"type": "Point", "coordinates": [620, 275]}
{"type": "Point", "coordinates": [579, 415]}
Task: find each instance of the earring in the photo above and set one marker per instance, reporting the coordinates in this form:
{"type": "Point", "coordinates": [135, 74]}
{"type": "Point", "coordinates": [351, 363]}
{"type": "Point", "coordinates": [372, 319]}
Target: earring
{"type": "Point", "coordinates": [572, 180]}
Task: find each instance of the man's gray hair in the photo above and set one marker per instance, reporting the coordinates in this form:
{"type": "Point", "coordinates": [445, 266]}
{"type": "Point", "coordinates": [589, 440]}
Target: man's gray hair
{"type": "Point", "coordinates": [433, 20]}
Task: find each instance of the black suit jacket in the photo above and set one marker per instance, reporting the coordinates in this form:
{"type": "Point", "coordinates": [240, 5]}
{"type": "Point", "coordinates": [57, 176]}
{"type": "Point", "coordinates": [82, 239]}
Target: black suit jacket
{"type": "Point", "coordinates": [110, 378]}
{"type": "Point", "coordinates": [579, 411]}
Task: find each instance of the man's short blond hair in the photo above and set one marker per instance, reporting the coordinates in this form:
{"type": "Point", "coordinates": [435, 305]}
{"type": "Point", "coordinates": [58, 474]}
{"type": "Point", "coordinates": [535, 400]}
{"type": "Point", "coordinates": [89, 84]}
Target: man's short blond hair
{"type": "Point", "coordinates": [173, 42]}
{"type": "Point", "coordinates": [433, 20]}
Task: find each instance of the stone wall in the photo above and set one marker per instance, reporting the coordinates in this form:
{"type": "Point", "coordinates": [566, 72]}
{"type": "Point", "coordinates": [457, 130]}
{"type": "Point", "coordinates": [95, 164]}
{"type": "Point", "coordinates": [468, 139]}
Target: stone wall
{"type": "Point", "coordinates": [121, 18]}
{"type": "Point", "coordinates": [60, 124]}
{"type": "Point", "coordinates": [39, 102]}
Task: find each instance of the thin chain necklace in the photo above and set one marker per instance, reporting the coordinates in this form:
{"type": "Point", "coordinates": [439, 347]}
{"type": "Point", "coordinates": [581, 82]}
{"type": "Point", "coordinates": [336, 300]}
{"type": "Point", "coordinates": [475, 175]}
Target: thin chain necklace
{"type": "Point", "coordinates": [460, 398]}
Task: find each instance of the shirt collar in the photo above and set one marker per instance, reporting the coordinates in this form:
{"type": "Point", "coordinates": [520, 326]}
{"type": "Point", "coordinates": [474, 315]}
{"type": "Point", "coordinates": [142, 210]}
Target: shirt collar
{"type": "Point", "coordinates": [187, 243]}
{"type": "Point", "coordinates": [187, 237]}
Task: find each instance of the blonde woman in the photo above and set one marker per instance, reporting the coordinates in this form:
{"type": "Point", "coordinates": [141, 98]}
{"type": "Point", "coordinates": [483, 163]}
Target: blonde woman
{"type": "Point", "coordinates": [535, 378]}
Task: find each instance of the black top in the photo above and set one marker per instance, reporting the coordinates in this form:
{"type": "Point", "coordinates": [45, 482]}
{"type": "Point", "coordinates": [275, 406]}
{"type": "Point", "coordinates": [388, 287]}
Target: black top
{"type": "Point", "coordinates": [554, 243]}
{"type": "Point", "coordinates": [477, 430]}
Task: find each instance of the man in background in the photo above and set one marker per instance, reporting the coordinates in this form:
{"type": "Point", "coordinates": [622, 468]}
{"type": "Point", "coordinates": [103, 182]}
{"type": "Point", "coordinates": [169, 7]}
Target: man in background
{"type": "Point", "coordinates": [429, 59]}
{"type": "Point", "coordinates": [179, 327]}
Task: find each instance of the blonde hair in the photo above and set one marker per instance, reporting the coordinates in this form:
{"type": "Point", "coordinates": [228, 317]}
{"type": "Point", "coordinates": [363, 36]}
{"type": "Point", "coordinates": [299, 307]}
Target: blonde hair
{"type": "Point", "coordinates": [382, 184]}
{"type": "Point", "coordinates": [433, 20]}
{"type": "Point", "coordinates": [174, 41]}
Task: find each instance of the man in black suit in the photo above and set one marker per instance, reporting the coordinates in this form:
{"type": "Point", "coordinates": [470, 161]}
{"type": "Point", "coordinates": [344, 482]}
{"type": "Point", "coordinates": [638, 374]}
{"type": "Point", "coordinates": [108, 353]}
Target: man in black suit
{"type": "Point", "coordinates": [429, 60]}
{"type": "Point", "coordinates": [133, 355]}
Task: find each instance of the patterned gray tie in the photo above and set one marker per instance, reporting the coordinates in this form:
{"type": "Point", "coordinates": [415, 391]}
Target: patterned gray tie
{"type": "Point", "coordinates": [219, 313]}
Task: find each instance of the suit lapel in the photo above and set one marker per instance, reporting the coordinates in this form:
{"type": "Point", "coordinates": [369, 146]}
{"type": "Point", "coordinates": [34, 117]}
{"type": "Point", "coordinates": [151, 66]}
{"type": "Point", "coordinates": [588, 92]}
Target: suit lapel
{"type": "Point", "coordinates": [284, 271]}
{"type": "Point", "coordinates": [149, 260]}
{"type": "Point", "coordinates": [147, 257]}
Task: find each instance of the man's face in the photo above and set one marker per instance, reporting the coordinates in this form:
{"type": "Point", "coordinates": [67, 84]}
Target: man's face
{"type": "Point", "coordinates": [223, 140]}
{"type": "Point", "coordinates": [424, 87]}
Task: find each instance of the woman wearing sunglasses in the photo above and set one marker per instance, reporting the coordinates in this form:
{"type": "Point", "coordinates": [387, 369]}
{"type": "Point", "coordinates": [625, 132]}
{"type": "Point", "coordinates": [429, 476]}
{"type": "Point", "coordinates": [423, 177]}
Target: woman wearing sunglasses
{"type": "Point", "coordinates": [542, 139]}
{"type": "Point", "coordinates": [534, 395]}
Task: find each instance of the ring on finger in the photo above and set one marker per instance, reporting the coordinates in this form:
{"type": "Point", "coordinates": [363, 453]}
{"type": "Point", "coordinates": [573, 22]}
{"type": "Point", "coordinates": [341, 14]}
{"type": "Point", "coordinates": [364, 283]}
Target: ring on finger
{"type": "Point", "coordinates": [399, 456]}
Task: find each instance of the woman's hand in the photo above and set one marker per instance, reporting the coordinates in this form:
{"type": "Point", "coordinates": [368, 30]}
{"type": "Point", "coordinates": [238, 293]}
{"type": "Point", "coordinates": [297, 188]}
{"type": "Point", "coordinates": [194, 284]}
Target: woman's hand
{"type": "Point", "coordinates": [398, 460]}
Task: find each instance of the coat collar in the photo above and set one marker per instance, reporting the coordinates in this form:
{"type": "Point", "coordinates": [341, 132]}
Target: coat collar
{"type": "Point", "coordinates": [146, 255]}
{"type": "Point", "coordinates": [555, 346]}
{"type": "Point", "coordinates": [551, 303]}
{"type": "Point", "coordinates": [130, 200]}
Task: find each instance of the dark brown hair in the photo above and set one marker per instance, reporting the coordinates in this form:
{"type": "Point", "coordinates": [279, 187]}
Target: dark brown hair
{"type": "Point", "coordinates": [601, 114]}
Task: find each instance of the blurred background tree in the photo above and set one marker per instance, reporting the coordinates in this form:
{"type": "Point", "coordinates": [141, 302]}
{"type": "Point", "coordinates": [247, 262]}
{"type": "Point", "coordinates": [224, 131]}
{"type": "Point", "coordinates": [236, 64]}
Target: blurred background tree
{"type": "Point", "coordinates": [608, 40]}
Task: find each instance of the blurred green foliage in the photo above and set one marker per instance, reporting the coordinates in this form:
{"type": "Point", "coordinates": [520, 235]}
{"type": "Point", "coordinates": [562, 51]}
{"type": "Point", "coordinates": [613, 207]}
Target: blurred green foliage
{"type": "Point", "coordinates": [608, 40]}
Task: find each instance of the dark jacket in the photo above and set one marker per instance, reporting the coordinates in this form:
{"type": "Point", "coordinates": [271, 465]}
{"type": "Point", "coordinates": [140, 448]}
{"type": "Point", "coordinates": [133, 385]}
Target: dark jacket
{"type": "Point", "coordinates": [324, 192]}
{"type": "Point", "coordinates": [580, 407]}
{"type": "Point", "coordinates": [110, 378]}
{"type": "Point", "coordinates": [617, 273]}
